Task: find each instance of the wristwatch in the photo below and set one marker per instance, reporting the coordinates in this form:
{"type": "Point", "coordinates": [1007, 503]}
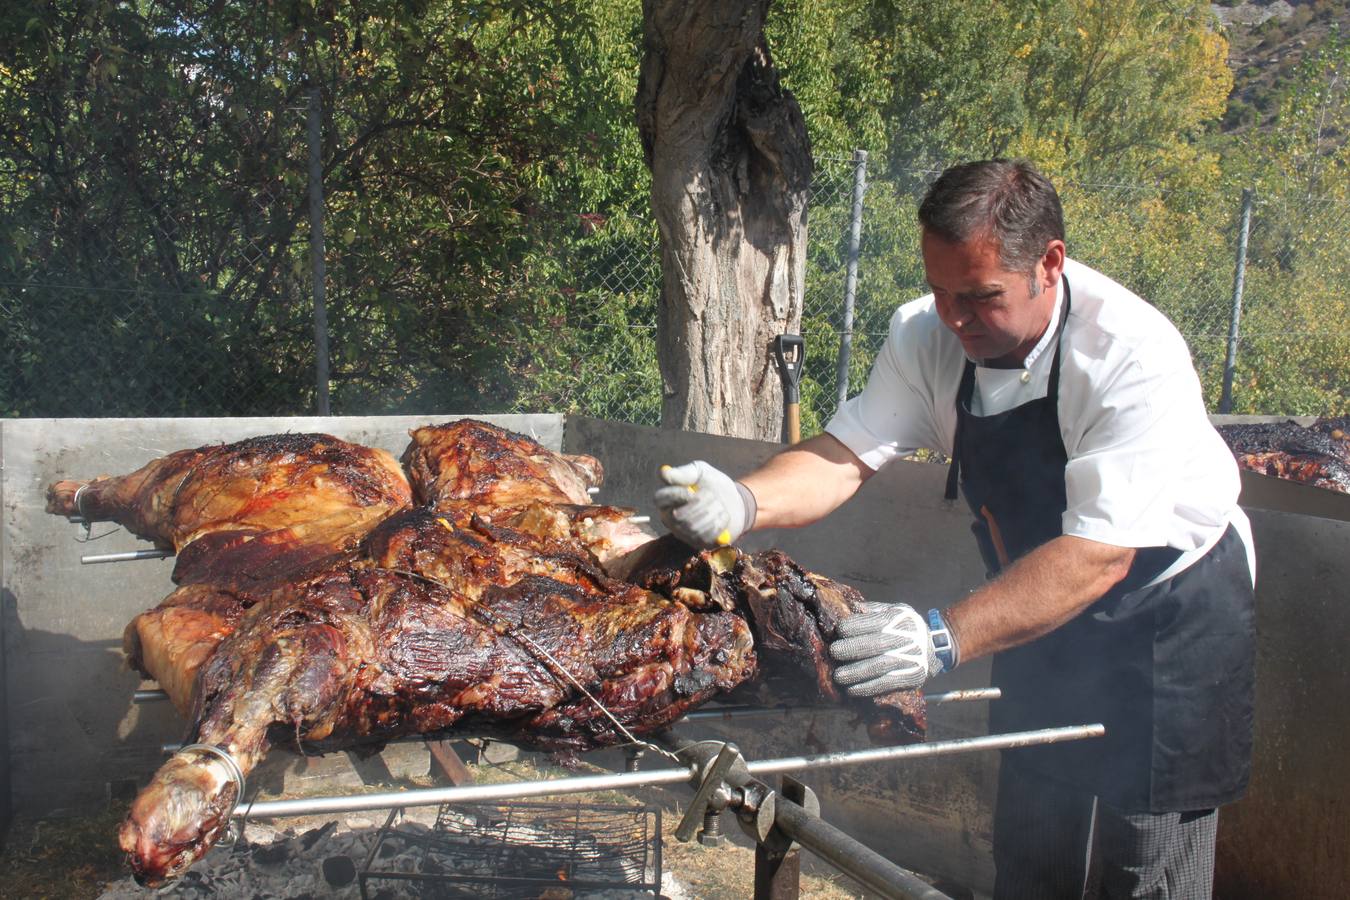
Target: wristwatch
{"type": "Point", "coordinates": [943, 645]}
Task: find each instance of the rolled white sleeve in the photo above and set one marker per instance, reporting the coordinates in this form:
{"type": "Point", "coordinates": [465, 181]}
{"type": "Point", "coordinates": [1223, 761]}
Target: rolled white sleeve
{"type": "Point", "coordinates": [1129, 457]}
{"type": "Point", "coordinates": [894, 414]}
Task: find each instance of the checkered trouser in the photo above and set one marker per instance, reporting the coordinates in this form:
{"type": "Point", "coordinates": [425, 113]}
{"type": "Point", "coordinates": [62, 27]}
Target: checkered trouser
{"type": "Point", "coordinates": [1054, 843]}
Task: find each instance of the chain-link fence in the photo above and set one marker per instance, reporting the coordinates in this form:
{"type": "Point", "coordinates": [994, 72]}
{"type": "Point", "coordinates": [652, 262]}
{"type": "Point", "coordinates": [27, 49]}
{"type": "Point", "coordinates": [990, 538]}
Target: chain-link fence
{"type": "Point", "coordinates": [1284, 354]}
{"type": "Point", "coordinates": [157, 305]}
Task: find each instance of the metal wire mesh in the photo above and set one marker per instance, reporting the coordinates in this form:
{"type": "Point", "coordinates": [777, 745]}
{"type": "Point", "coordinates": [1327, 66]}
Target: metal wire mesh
{"type": "Point", "coordinates": [505, 851]}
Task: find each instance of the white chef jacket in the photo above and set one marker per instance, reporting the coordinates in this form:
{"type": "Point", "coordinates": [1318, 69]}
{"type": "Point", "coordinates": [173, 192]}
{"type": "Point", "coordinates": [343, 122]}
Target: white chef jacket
{"type": "Point", "coordinates": [1145, 467]}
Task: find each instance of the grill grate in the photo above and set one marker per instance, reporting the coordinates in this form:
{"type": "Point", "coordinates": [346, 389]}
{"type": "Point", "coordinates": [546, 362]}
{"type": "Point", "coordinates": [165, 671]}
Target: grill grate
{"type": "Point", "coordinates": [506, 851]}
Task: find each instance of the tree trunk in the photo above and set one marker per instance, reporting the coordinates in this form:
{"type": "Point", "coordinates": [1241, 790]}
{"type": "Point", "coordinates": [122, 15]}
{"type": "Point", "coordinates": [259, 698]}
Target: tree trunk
{"type": "Point", "coordinates": [731, 167]}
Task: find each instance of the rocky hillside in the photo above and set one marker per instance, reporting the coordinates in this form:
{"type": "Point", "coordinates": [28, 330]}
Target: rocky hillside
{"type": "Point", "coordinates": [1267, 41]}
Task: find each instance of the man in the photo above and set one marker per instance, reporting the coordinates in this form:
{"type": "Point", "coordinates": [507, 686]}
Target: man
{"type": "Point", "coordinates": [1105, 507]}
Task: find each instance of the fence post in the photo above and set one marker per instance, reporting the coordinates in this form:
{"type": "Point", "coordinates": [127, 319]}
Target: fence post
{"type": "Point", "coordinates": [851, 279]}
{"type": "Point", "coordinates": [1235, 318]}
{"type": "Point", "coordinates": [314, 116]}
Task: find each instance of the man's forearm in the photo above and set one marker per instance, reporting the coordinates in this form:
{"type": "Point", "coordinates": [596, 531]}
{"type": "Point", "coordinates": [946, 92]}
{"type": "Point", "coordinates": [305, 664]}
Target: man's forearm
{"type": "Point", "coordinates": [805, 483]}
{"type": "Point", "coordinates": [1037, 594]}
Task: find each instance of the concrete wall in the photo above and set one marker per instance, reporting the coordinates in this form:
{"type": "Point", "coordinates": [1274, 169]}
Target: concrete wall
{"type": "Point", "coordinates": [74, 736]}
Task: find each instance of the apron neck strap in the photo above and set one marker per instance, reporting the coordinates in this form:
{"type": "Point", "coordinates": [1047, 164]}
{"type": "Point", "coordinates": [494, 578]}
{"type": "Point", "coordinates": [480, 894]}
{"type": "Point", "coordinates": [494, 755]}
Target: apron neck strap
{"type": "Point", "coordinates": [963, 394]}
{"type": "Point", "coordinates": [967, 389]}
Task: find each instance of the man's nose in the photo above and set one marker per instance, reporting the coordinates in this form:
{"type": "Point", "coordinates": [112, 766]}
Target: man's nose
{"type": "Point", "coordinates": [959, 315]}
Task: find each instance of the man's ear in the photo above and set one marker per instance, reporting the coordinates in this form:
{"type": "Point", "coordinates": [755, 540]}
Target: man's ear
{"type": "Point", "coordinates": [1052, 263]}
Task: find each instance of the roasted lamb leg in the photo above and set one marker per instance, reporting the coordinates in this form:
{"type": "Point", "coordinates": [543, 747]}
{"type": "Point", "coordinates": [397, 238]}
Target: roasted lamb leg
{"type": "Point", "coordinates": [251, 510]}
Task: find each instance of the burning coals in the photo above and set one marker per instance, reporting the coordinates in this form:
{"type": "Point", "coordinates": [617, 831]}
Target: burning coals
{"type": "Point", "coordinates": [479, 851]}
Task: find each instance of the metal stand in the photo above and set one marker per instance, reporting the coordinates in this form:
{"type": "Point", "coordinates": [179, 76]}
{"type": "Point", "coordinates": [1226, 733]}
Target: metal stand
{"type": "Point", "coordinates": [778, 860]}
{"type": "Point", "coordinates": [776, 821]}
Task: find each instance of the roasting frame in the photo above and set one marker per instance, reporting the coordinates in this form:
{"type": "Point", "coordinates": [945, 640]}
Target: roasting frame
{"type": "Point", "coordinates": [742, 792]}
{"type": "Point", "coordinates": [796, 824]}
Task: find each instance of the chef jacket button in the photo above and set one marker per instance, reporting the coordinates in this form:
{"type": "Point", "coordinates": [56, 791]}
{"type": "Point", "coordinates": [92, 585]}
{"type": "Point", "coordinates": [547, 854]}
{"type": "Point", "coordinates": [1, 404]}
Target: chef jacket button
{"type": "Point", "coordinates": [1026, 376]}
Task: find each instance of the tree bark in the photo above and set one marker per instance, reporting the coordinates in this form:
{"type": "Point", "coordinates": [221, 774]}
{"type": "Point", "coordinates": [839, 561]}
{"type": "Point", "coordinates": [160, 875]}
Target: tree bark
{"type": "Point", "coordinates": [731, 169]}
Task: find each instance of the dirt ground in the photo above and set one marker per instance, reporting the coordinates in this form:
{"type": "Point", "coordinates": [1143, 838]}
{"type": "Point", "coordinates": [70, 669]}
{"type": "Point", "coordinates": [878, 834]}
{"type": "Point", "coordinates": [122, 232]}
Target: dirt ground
{"type": "Point", "coordinates": [77, 856]}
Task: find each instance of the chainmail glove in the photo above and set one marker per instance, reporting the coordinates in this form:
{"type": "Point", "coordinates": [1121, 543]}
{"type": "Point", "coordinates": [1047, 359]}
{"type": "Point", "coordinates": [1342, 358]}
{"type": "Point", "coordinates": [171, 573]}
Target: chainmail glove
{"type": "Point", "coordinates": [886, 647]}
{"type": "Point", "coordinates": [702, 506]}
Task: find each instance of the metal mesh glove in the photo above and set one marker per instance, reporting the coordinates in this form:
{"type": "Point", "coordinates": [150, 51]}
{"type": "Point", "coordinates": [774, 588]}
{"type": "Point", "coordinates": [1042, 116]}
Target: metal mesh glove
{"type": "Point", "coordinates": [702, 506]}
{"type": "Point", "coordinates": [887, 648]}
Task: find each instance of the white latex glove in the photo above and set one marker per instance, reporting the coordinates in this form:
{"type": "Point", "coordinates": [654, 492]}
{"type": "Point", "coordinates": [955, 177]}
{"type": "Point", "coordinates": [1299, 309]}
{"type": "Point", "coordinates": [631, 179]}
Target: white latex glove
{"type": "Point", "coordinates": [887, 648]}
{"type": "Point", "coordinates": [702, 506]}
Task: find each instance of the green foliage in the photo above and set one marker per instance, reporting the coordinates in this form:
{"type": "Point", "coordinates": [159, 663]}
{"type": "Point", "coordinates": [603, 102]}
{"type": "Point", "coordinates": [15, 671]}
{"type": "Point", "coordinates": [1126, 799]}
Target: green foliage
{"type": "Point", "coordinates": [488, 243]}
{"type": "Point", "coordinates": [1297, 306]}
{"type": "Point", "coordinates": [155, 185]}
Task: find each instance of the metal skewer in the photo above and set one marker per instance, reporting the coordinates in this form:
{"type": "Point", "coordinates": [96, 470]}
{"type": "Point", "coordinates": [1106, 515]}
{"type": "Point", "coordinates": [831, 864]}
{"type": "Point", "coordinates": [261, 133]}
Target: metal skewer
{"type": "Point", "coordinates": [125, 557]}
{"type": "Point", "coordinates": [154, 695]}
{"type": "Point", "coordinates": [937, 748]}
{"type": "Point", "coordinates": [619, 781]}
{"type": "Point", "coordinates": [724, 713]}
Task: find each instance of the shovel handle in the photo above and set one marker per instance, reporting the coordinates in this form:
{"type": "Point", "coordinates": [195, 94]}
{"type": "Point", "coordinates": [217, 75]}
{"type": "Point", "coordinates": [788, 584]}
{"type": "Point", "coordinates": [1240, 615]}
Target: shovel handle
{"type": "Point", "coordinates": [789, 350]}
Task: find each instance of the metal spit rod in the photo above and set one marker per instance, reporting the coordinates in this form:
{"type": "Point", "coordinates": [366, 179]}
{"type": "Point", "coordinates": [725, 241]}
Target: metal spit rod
{"type": "Point", "coordinates": [726, 713]}
{"type": "Point", "coordinates": [125, 557]}
{"type": "Point", "coordinates": [939, 748]}
{"type": "Point", "coordinates": [155, 695]}
{"type": "Point", "coordinates": [306, 806]}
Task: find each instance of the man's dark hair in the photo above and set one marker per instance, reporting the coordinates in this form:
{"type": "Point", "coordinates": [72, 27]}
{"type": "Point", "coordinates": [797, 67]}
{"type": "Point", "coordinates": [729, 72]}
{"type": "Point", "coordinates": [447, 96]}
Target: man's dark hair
{"type": "Point", "coordinates": [1007, 200]}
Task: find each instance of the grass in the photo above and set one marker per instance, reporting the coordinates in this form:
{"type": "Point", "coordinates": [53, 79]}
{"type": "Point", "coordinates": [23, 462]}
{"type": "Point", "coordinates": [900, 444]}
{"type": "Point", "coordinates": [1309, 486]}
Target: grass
{"type": "Point", "coordinates": [62, 857]}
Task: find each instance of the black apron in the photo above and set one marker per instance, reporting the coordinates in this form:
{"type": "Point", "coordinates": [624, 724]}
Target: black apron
{"type": "Point", "coordinates": [1168, 669]}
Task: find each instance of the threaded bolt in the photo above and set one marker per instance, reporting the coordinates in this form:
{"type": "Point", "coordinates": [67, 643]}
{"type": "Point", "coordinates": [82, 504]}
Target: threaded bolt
{"type": "Point", "coordinates": [711, 835]}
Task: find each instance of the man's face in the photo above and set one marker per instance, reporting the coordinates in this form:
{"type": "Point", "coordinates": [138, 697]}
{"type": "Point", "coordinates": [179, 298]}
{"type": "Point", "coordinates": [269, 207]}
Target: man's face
{"type": "Point", "coordinates": [998, 314]}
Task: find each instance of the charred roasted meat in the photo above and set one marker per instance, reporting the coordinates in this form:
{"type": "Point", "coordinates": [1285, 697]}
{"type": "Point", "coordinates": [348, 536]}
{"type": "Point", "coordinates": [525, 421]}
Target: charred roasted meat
{"type": "Point", "coordinates": [1317, 456]}
{"type": "Point", "coordinates": [505, 605]}
{"type": "Point", "coordinates": [490, 468]}
{"type": "Point", "coordinates": [793, 615]}
{"type": "Point", "coordinates": [440, 627]}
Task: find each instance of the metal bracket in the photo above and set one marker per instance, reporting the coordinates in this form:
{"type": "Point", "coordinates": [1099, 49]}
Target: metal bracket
{"type": "Point", "coordinates": [712, 794]}
{"type": "Point", "coordinates": [757, 819]}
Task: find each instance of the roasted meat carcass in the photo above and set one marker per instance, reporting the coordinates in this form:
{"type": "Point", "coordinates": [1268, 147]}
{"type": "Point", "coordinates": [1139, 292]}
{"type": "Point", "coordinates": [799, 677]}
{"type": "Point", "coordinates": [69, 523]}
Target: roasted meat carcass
{"type": "Point", "coordinates": [561, 657]}
{"type": "Point", "coordinates": [793, 616]}
{"type": "Point", "coordinates": [492, 609]}
{"type": "Point", "coordinates": [1318, 455]}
